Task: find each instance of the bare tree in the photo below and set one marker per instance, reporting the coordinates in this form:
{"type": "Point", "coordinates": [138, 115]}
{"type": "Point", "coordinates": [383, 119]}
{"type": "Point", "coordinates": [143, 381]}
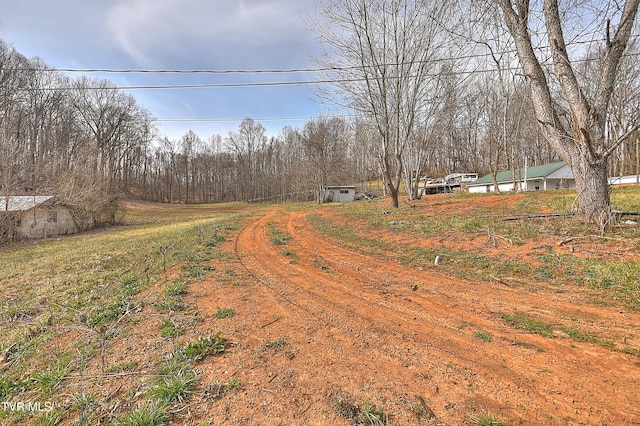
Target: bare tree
{"type": "Point", "coordinates": [245, 144]}
{"type": "Point", "coordinates": [325, 147]}
{"type": "Point", "coordinates": [574, 124]}
{"type": "Point", "coordinates": [384, 51]}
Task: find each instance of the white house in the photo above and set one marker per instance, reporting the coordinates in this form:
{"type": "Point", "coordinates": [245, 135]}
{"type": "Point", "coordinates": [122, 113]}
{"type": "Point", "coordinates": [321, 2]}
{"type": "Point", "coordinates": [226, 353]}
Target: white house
{"type": "Point", "coordinates": [339, 194]}
{"type": "Point", "coordinates": [535, 178]}
{"type": "Point", "coordinates": [34, 216]}
{"type": "Point", "coordinates": [624, 180]}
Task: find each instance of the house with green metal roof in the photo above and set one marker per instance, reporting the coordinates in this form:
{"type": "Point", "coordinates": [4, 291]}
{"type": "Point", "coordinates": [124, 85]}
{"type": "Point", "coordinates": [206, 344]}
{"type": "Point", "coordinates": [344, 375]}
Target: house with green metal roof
{"type": "Point", "coordinates": [534, 178]}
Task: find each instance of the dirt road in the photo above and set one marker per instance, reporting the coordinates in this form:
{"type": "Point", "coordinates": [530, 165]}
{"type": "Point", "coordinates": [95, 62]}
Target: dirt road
{"type": "Point", "coordinates": [322, 329]}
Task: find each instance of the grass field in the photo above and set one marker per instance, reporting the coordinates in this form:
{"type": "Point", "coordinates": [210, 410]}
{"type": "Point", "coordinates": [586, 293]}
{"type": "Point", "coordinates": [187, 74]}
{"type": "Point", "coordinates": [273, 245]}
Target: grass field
{"type": "Point", "coordinates": [64, 299]}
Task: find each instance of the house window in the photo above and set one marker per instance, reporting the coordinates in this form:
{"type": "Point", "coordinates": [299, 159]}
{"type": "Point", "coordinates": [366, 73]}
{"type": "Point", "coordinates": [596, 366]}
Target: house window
{"type": "Point", "coordinates": [344, 191]}
{"type": "Point", "coordinates": [52, 216]}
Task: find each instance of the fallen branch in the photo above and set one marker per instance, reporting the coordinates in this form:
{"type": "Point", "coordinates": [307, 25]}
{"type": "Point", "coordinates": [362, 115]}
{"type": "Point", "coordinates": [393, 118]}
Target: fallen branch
{"type": "Point", "coordinates": [537, 216]}
{"type": "Point", "coordinates": [269, 323]}
{"type": "Point", "coordinates": [501, 281]}
{"type": "Point", "coordinates": [409, 204]}
{"type": "Point", "coordinates": [568, 240]}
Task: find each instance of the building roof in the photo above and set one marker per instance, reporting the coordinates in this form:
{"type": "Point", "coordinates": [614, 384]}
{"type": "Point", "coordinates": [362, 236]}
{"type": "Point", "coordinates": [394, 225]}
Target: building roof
{"type": "Point", "coordinates": [20, 203]}
{"type": "Point", "coordinates": [533, 172]}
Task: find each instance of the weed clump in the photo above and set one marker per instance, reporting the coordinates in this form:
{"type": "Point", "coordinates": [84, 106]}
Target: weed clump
{"type": "Point", "coordinates": [277, 237]}
{"type": "Point", "coordinates": [204, 347]}
{"type": "Point", "coordinates": [225, 312]}
{"type": "Point", "coordinates": [152, 414]}
{"type": "Point", "coordinates": [485, 336]}
{"type": "Point", "coordinates": [366, 414]}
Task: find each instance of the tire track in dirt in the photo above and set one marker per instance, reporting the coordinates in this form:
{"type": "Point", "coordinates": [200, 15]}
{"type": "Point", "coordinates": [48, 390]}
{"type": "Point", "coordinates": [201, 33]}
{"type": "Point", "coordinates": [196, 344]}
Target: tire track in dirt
{"type": "Point", "coordinates": [424, 339]}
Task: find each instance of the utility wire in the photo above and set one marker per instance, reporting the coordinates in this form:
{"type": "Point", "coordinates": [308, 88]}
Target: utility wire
{"type": "Point", "coordinates": [233, 120]}
{"type": "Point", "coordinates": [291, 70]}
{"type": "Point", "coordinates": [276, 83]}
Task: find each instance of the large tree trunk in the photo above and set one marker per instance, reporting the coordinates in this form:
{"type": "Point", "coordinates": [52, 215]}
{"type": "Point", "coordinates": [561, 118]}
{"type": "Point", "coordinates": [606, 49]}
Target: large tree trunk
{"type": "Point", "coordinates": [581, 142]}
{"type": "Point", "coordinates": [592, 191]}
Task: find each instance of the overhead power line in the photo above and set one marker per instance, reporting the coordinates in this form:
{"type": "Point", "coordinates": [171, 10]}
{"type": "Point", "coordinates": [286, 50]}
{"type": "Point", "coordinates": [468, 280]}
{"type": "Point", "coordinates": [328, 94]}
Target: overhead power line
{"type": "Point", "coordinates": [183, 71]}
{"type": "Point", "coordinates": [280, 71]}
{"type": "Point", "coordinates": [233, 120]}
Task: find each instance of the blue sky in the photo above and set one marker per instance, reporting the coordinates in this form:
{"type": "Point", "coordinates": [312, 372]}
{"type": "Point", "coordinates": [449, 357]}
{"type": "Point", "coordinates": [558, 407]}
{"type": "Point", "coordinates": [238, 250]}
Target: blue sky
{"type": "Point", "coordinates": [180, 35]}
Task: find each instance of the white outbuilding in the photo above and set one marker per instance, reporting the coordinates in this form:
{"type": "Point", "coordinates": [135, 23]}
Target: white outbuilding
{"type": "Point", "coordinates": [535, 178]}
{"type": "Point", "coordinates": [338, 194]}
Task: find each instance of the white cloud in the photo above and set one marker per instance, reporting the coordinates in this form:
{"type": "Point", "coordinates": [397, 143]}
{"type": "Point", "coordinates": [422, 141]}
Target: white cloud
{"type": "Point", "coordinates": [149, 30]}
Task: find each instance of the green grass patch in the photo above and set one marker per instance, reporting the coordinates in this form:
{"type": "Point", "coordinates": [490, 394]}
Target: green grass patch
{"type": "Point", "coordinates": [277, 237]}
{"type": "Point", "coordinates": [168, 328]}
{"type": "Point", "coordinates": [418, 256]}
{"type": "Point", "coordinates": [123, 367]}
{"type": "Point", "coordinates": [521, 322]}
{"type": "Point", "coordinates": [277, 343]}
{"type": "Point", "coordinates": [375, 416]}
{"type": "Point", "coordinates": [151, 414]}
{"type": "Point", "coordinates": [48, 381]}
{"type": "Point", "coordinates": [233, 383]}
{"type": "Point", "coordinates": [293, 257]}
{"type": "Point", "coordinates": [578, 335]}
{"type": "Point", "coordinates": [225, 312]}
{"type": "Point", "coordinates": [175, 386]}
{"type": "Point", "coordinates": [177, 288]}
{"type": "Point", "coordinates": [52, 287]}
{"type": "Point", "coordinates": [488, 420]}
{"type": "Point", "coordinates": [171, 304]}
{"type": "Point", "coordinates": [485, 336]}
{"type": "Point", "coordinates": [109, 313]}
{"type": "Point", "coordinates": [345, 233]}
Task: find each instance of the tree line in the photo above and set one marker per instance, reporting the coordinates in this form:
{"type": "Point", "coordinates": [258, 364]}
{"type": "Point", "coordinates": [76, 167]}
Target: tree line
{"type": "Point", "coordinates": [422, 106]}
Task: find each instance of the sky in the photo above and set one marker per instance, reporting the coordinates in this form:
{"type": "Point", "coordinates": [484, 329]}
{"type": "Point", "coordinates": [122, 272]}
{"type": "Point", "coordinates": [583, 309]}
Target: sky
{"type": "Point", "coordinates": [214, 35]}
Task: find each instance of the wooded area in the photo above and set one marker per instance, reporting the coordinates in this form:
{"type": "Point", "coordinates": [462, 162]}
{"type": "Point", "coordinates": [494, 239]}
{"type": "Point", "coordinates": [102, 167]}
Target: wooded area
{"type": "Point", "coordinates": [549, 72]}
{"type": "Point", "coordinates": [433, 101]}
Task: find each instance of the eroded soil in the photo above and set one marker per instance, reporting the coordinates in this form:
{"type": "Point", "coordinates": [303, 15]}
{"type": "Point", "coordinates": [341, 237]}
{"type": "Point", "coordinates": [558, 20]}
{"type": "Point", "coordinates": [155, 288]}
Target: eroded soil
{"type": "Point", "coordinates": [321, 328]}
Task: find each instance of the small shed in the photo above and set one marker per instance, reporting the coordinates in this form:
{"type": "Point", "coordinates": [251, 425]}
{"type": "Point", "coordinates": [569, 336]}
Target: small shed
{"type": "Point", "coordinates": [34, 216]}
{"type": "Point", "coordinates": [339, 194]}
{"type": "Point", "coordinates": [535, 178]}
